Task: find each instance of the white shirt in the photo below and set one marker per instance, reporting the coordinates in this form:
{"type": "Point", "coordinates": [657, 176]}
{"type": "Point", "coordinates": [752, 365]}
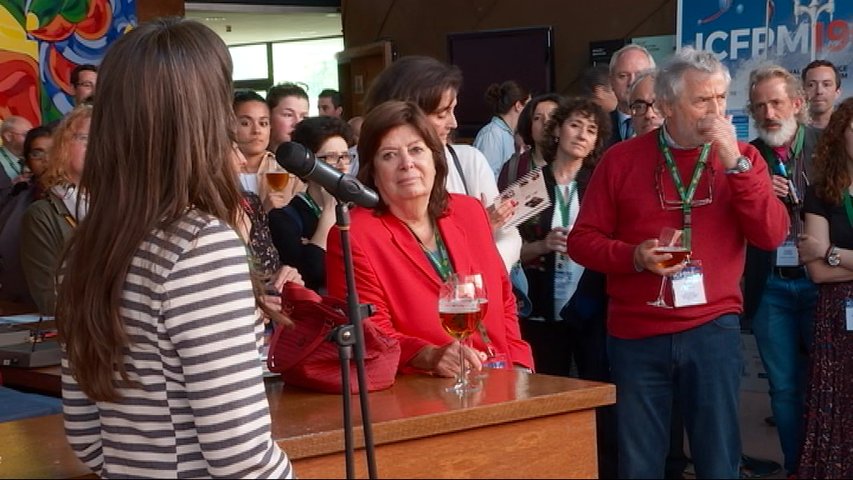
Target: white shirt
{"type": "Point", "coordinates": [481, 182]}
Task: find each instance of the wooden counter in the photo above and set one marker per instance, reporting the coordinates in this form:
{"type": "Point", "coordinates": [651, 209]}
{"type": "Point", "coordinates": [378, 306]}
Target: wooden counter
{"type": "Point", "coordinates": [517, 426]}
{"type": "Point", "coordinates": [45, 380]}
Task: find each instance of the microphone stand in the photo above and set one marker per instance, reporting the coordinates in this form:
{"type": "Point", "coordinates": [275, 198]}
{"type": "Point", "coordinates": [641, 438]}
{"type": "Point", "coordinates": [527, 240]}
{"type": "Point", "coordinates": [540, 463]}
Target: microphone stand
{"type": "Point", "coordinates": [347, 336]}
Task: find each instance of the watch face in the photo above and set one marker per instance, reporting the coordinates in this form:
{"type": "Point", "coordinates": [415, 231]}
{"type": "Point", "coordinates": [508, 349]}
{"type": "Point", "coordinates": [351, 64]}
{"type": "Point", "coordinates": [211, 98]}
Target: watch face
{"type": "Point", "coordinates": [834, 260]}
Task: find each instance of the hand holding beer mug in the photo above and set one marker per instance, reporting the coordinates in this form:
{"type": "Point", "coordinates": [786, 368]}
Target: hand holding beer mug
{"type": "Point", "coordinates": [275, 175]}
{"type": "Point", "coordinates": [672, 252]}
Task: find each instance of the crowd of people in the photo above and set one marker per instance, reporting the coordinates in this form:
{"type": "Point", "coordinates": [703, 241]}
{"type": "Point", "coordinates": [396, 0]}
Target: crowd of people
{"type": "Point", "coordinates": [154, 217]}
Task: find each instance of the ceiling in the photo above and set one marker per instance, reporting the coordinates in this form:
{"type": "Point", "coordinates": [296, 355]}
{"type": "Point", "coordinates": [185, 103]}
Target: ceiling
{"type": "Point", "coordinates": [240, 24]}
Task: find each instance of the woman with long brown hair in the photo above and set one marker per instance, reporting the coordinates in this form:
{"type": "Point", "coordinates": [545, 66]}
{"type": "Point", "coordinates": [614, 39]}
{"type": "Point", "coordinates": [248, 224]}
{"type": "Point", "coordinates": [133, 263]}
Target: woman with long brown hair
{"type": "Point", "coordinates": [827, 250]}
{"type": "Point", "coordinates": [156, 311]}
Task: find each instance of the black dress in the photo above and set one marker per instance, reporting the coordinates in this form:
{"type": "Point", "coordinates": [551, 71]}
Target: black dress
{"type": "Point", "coordinates": [828, 446]}
{"type": "Point", "coordinates": [291, 228]}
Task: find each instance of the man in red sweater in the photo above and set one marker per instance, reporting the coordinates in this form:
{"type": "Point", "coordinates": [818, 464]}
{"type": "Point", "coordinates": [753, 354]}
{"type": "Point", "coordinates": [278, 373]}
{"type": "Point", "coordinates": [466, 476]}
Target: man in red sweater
{"type": "Point", "coordinates": [693, 175]}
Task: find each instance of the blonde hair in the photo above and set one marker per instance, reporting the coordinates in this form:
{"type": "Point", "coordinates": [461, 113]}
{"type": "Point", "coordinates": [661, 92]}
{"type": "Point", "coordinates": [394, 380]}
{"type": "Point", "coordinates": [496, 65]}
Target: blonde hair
{"type": "Point", "coordinates": [56, 172]}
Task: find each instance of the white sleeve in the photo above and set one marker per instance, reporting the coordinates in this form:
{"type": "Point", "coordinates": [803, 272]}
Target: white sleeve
{"type": "Point", "coordinates": [481, 183]}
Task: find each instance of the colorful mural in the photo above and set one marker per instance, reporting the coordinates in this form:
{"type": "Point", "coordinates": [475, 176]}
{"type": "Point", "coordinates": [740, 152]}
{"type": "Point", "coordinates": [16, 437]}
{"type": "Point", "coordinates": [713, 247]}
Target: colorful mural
{"type": "Point", "coordinates": [41, 41]}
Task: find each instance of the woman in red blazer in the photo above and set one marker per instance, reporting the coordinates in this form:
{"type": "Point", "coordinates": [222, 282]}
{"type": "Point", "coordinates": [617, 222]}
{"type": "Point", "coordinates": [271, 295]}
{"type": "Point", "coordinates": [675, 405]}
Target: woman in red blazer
{"type": "Point", "coordinates": [417, 236]}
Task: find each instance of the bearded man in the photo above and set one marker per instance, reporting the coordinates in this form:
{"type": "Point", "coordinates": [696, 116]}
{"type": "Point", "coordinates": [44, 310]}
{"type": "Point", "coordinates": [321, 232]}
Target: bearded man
{"type": "Point", "coordinates": [779, 297]}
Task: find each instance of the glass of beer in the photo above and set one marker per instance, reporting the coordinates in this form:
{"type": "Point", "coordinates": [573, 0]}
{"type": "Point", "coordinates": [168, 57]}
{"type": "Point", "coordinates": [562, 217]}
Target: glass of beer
{"type": "Point", "coordinates": [274, 174]}
{"type": "Point", "coordinates": [460, 312]}
{"type": "Point", "coordinates": [669, 243]}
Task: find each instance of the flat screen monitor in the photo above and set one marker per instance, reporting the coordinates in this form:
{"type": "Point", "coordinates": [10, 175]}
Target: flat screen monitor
{"type": "Point", "coordinates": [525, 55]}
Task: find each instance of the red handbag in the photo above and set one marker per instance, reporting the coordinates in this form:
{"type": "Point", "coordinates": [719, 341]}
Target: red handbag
{"type": "Point", "coordinates": [305, 358]}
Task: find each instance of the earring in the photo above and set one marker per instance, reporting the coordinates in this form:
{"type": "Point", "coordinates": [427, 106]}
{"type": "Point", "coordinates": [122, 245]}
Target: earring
{"type": "Point", "coordinates": [556, 140]}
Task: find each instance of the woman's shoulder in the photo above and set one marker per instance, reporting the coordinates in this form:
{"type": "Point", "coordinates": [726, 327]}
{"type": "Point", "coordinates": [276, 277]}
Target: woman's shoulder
{"type": "Point", "coordinates": [459, 203]}
{"type": "Point", "coordinates": [198, 223]}
{"type": "Point", "coordinates": [195, 229]}
{"type": "Point", "coordinates": [45, 208]}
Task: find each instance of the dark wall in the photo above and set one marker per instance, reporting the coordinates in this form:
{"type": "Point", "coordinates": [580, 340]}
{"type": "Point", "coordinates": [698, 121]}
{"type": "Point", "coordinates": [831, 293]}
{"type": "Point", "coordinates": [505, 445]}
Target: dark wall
{"type": "Point", "coordinates": [421, 26]}
{"type": "Point", "coordinates": [148, 9]}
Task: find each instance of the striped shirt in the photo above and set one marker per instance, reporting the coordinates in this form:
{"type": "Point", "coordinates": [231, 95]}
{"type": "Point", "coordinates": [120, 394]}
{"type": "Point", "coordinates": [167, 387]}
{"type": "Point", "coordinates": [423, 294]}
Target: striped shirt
{"type": "Point", "coordinates": [199, 407]}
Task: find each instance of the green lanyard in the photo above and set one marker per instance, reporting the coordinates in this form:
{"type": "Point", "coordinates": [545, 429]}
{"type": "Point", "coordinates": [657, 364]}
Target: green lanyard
{"type": "Point", "coordinates": [311, 204]}
{"type": "Point", "coordinates": [439, 258]}
{"type": "Point", "coordinates": [686, 195]}
{"type": "Point", "coordinates": [796, 150]}
{"type": "Point", "coordinates": [848, 208]}
{"type": "Point", "coordinates": [565, 204]}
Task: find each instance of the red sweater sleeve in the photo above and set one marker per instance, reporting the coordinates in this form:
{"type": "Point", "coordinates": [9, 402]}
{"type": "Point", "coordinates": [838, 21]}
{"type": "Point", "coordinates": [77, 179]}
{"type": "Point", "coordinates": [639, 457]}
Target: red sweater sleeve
{"type": "Point", "coordinates": [761, 215]}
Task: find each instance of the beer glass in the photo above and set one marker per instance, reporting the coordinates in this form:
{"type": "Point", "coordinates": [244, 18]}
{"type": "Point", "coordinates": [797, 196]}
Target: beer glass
{"type": "Point", "coordinates": [460, 311]}
{"type": "Point", "coordinates": [274, 174]}
{"type": "Point", "coordinates": [669, 241]}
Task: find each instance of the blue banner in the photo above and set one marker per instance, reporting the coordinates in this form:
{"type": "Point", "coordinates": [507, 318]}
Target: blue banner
{"type": "Point", "coordinates": [744, 34]}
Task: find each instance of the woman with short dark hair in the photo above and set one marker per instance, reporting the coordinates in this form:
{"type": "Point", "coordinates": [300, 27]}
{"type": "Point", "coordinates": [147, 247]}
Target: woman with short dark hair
{"type": "Point", "coordinates": [299, 230]}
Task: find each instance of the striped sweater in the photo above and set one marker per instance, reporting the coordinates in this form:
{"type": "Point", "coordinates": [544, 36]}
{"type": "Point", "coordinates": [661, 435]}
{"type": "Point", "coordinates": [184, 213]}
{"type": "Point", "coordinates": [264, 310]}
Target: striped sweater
{"type": "Point", "coordinates": [199, 408]}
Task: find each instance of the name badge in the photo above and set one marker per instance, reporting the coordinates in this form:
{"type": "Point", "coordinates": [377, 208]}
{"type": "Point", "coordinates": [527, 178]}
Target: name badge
{"type": "Point", "coordinates": [787, 255]}
{"type": "Point", "coordinates": [497, 360]}
{"type": "Point", "coordinates": [848, 313]}
{"type": "Point", "coordinates": [688, 286]}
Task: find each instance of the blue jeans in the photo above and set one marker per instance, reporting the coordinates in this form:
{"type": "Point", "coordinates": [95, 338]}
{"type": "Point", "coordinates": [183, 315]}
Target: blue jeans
{"type": "Point", "coordinates": [784, 327]}
{"type": "Point", "coordinates": [702, 367]}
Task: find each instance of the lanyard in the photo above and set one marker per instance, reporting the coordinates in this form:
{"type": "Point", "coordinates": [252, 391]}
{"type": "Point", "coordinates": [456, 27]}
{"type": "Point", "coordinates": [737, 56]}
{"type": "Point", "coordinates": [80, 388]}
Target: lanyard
{"type": "Point", "coordinates": [565, 204]}
{"type": "Point", "coordinates": [439, 258]}
{"type": "Point", "coordinates": [848, 208]}
{"type": "Point", "coordinates": [796, 150]}
{"type": "Point", "coordinates": [311, 204]}
{"type": "Point", "coordinates": [686, 195]}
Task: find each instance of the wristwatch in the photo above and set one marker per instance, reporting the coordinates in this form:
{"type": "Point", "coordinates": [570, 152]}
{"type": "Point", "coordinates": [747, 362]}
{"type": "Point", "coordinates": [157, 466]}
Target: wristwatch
{"type": "Point", "coordinates": [833, 257]}
{"type": "Point", "coordinates": [741, 165]}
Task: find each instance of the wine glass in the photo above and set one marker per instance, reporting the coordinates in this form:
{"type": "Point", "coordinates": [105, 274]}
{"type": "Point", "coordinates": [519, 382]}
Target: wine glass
{"type": "Point", "coordinates": [483, 298]}
{"type": "Point", "coordinates": [275, 175]}
{"type": "Point", "coordinates": [460, 311]}
{"type": "Point", "coordinates": [669, 242]}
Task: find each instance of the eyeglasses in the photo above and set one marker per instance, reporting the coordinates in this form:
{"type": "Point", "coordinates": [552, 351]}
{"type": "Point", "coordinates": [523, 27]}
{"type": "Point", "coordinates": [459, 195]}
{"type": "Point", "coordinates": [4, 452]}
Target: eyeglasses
{"type": "Point", "coordinates": [81, 137]}
{"type": "Point", "coordinates": [664, 196]}
{"type": "Point", "coordinates": [85, 84]}
{"type": "Point", "coordinates": [640, 107]}
{"type": "Point", "coordinates": [336, 159]}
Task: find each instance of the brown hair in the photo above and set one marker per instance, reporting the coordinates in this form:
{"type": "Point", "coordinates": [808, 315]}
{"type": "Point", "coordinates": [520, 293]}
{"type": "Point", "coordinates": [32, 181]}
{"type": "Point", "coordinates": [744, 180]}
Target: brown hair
{"type": "Point", "coordinates": [793, 86]}
{"type": "Point", "coordinates": [56, 172]}
{"type": "Point", "coordinates": [501, 97]}
{"type": "Point", "coordinates": [831, 156]}
{"type": "Point", "coordinates": [377, 124]}
{"type": "Point", "coordinates": [419, 79]}
{"type": "Point", "coordinates": [586, 108]}
{"type": "Point", "coordinates": [822, 63]}
{"type": "Point", "coordinates": [161, 145]}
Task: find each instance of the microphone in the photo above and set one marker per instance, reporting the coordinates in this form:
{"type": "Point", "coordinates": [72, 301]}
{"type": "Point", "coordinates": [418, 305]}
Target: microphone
{"type": "Point", "coordinates": [297, 159]}
{"type": "Point", "coordinates": [792, 190]}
